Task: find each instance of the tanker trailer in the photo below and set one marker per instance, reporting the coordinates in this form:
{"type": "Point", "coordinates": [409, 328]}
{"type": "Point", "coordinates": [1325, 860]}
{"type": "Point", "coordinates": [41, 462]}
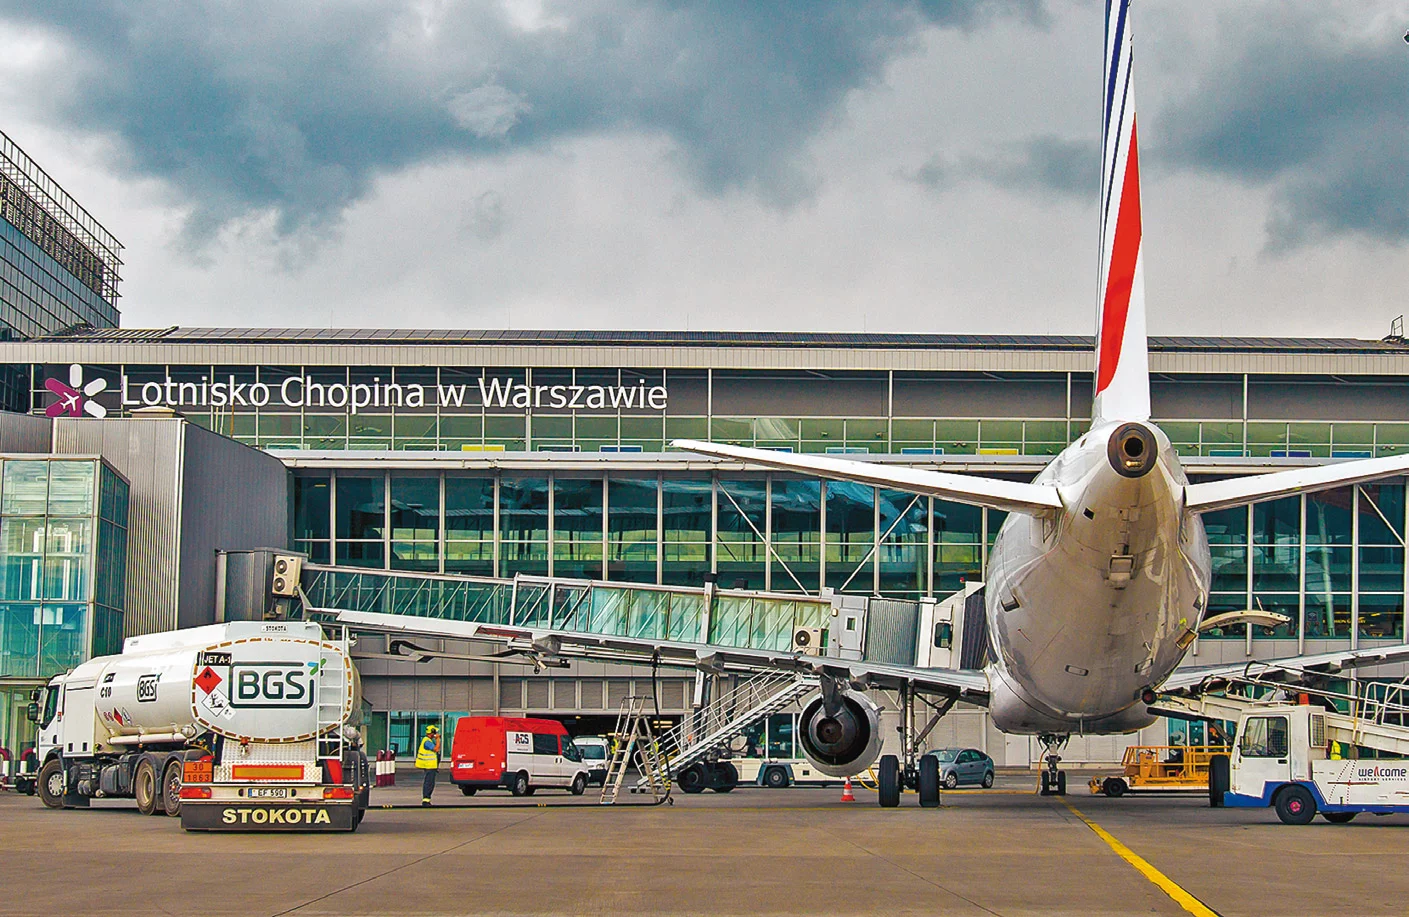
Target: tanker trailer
{"type": "Point", "coordinates": [245, 726]}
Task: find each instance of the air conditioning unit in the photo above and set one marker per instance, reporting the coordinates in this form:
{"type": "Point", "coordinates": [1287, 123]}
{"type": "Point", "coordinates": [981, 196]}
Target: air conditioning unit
{"type": "Point", "coordinates": [286, 573]}
{"type": "Point", "coordinates": [807, 640]}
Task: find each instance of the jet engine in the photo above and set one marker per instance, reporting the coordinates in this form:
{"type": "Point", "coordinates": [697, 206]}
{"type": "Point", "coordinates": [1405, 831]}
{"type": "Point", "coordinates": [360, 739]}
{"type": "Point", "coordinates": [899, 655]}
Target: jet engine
{"type": "Point", "coordinates": [844, 742]}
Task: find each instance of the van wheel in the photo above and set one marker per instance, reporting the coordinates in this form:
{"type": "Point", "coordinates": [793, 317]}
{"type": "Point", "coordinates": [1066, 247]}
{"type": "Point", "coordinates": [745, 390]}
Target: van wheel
{"type": "Point", "coordinates": [171, 787]}
{"type": "Point", "coordinates": [775, 778]}
{"type": "Point", "coordinates": [520, 785]}
{"type": "Point", "coordinates": [579, 785]}
{"type": "Point", "coordinates": [468, 790]}
{"type": "Point", "coordinates": [146, 786]}
{"type": "Point", "coordinates": [51, 783]}
{"type": "Point", "coordinates": [1338, 818]}
{"type": "Point", "coordinates": [1295, 806]}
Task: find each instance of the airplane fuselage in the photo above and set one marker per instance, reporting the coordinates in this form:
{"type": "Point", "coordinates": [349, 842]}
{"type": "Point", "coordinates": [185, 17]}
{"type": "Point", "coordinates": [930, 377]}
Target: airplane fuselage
{"type": "Point", "coordinates": [1095, 602]}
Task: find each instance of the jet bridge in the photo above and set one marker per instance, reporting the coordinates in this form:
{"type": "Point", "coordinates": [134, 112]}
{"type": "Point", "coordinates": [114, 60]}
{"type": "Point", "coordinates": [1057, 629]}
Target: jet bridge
{"type": "Point", "coordinates": [847, 627]}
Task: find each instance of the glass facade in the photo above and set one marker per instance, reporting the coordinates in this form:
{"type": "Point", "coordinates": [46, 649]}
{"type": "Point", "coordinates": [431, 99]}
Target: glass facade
{"type": "Point", "coordinates": [63, 556]}
{"type": "Point", "coordinates": [1332, 562]}
{"type": "Point", "coordinates": [63, 563]}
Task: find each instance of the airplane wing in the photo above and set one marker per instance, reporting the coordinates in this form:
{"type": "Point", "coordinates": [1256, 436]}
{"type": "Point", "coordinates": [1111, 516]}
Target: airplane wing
{"type": "Point", "coordinates": [1009, 496]}
{"type": "Point", "coordinates": [549, 645]}
{"type": "Point", "coordinates": [1189, 678]}
{"type": "Point", "coordinates": [1215, 495]}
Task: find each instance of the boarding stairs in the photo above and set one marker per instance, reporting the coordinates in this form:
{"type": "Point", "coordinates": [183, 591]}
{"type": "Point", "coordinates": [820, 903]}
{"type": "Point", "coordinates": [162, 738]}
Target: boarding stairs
{"type": "Point", "coordinates": [633, 742]}
{"type": "Point", "coordinates": [714, 726]}
{"type": "Point", "coordinates": [1376, 715]}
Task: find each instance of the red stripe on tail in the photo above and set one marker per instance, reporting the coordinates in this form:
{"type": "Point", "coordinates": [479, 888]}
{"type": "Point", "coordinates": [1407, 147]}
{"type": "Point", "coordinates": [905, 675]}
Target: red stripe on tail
{"type": "Point", "coordinates": [1125, 252]}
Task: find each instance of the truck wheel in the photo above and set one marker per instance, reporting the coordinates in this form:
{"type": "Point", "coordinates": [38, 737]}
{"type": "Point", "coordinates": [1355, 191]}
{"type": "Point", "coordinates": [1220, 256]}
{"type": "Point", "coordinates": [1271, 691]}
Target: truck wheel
{"type": "Point", "coordinates": [1295, 806]}
{"type": "Point", "coordinates": [929, 781]}
{"type": "Point", "coordinates": [775, 778]}
{"type": "Point", "coordinates": [693, 779]}
{"type": "Point", "coordinates": [1338, 818]}
{"type": "Point", "coordinates": [171, 787]}
{"type": "Point", "coordinates": [468, 790]}
{"type": "Point", "coordinates": [726, 777]}
{"type": "Point", "coordinates": [51, 783]}
{"type": "Point", "coordinates": [579, 785]}
{"type": "Point", "coordinates": [146, 787]}
{"type": "Point", "coordinates": [1114, 787]}
{"type": "Point", "coordinates": [888, 781]}
{"type": "Point", "coordinates": [520, 785]}
{"type": "Point", "coordinates": [1219, 780]}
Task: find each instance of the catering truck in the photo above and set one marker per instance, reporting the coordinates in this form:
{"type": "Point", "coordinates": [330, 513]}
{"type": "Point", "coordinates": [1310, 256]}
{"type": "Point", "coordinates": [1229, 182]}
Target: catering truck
{"type": "Point", "coordinates": [245, 726]}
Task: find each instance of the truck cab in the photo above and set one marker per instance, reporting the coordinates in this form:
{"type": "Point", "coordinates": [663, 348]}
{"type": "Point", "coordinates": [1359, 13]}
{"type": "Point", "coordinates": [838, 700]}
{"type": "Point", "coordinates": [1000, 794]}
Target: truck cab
{"type": "Point", "coordinates": [1287, 757]}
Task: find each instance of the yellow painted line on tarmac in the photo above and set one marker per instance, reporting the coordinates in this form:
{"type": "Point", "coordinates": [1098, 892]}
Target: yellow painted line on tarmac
{"type": "Point", "coordinates": [1165, 884]}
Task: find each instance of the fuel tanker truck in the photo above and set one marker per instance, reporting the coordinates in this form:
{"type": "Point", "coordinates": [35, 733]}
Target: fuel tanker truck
{"type": "Point", "coordinates": [245, 726]}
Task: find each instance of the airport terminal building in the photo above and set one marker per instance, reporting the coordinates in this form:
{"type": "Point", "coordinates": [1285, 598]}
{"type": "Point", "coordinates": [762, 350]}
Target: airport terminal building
{"type": "Point", "coordinates": [498, 453]}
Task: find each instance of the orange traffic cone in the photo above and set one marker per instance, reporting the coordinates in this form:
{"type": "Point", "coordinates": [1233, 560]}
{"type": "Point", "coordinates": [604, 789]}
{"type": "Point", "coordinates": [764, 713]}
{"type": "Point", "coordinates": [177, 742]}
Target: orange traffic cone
{"type": "Point", "coordinates": [846, 791]}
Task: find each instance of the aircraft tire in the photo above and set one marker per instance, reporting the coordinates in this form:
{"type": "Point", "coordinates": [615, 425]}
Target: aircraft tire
{"type": "Point", "coordinates": [1061, 783]}
{"type": "Point", "coordinates": [929, 781]}
{"type": "Point", "coordinates": [726, 777]}
{"type": "Point", "coordinates": [888, 781]}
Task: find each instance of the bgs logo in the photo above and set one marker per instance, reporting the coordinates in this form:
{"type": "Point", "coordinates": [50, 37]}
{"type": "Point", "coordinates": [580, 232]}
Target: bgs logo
{"type": "Point", "coordinates": [271, 684]}
{"type": "Point", "coordinates": [147, 689]}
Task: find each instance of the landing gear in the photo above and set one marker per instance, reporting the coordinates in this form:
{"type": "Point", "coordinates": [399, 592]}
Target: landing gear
{"type": "Point", "coordinates": [912, 770]}
{"type": "Point", "coordinates": [888, 781]}
{"type": "Point", "coordinates": [1054, 780]}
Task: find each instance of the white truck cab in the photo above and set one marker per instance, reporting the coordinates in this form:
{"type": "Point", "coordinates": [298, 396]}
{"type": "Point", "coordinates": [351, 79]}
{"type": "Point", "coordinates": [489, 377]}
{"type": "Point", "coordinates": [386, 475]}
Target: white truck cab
{"type": "Point", "coordinates": [1286, 757]}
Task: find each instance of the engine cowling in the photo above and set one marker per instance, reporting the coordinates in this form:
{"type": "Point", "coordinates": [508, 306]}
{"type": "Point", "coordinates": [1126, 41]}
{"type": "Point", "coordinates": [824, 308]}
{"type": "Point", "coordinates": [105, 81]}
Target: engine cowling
{"type": "Point", "coordinates": [845, 744]}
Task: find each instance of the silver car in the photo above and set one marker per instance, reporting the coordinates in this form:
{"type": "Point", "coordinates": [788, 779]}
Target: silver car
{"type": "Point", "coordinates": [963, 765]}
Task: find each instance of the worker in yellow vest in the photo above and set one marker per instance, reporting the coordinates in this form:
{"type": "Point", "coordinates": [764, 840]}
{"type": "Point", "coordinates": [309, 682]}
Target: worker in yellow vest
{"type": "Point", "coordinates": [428, 760]}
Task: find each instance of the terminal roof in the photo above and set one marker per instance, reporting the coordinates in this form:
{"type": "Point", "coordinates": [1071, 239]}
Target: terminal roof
{"type": "Point", "coordinates": [845, 340]}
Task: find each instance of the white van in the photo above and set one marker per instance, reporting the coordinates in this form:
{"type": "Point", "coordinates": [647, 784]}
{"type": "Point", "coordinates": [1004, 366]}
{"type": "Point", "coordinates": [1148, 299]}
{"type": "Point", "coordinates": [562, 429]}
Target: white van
{"type": "Point", "coordinates": [595, 753]}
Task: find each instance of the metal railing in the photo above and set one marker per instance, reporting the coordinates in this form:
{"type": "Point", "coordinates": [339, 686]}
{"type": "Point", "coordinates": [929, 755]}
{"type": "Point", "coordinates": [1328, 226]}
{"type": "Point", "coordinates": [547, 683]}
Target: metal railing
{"type": "Point", "coordinates": [754, 620]}
{"type": "Point", "coordinates": [729, 716]}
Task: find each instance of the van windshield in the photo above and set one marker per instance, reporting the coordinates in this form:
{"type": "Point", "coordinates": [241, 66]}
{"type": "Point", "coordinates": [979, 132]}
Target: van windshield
{"type": "Point", "coordinates": [593, 752]}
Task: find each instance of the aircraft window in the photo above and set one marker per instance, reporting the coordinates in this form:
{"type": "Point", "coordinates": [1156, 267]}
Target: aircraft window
{"type": "Point", "coordinates": [1264, 737]}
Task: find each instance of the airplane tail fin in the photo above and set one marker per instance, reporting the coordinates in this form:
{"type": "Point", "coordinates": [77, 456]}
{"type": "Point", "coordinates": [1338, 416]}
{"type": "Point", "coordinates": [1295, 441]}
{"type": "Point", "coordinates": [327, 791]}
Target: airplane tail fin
{"type": "Point", "coordinates": [1122, 357]}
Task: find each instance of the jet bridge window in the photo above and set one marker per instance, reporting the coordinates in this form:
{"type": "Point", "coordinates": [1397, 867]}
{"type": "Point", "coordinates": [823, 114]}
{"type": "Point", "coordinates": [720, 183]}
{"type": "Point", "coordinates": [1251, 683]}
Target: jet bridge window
{"type": "Point", "coordinates": [1264, 737]}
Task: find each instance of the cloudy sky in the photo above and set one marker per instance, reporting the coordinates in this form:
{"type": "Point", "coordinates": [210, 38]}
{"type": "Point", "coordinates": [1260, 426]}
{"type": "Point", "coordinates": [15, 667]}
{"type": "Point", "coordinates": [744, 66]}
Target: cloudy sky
{"type": "Point", "coordinates": [917, 165]}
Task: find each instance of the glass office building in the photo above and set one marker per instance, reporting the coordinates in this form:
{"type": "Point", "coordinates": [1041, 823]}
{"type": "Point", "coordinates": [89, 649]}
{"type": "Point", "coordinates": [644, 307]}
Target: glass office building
{"type": "Point", "coordinates": [63, 550]}
{"type": "Point", "coordinates": [58, 265]}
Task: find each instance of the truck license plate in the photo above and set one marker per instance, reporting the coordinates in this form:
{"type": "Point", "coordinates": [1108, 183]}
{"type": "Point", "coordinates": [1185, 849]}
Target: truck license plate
{"type": "Point", "coordinates": [267, 792]}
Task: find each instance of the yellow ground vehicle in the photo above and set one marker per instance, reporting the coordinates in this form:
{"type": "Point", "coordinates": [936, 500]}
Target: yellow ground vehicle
{"type": "Point", "coordinates": [1165, 768]}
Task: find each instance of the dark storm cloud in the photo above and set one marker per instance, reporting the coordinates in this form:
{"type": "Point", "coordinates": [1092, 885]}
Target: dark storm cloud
{"type": "Point", "coordinates": [296, 108]}
{"type": "Point", "coordinates": [1321, 118]}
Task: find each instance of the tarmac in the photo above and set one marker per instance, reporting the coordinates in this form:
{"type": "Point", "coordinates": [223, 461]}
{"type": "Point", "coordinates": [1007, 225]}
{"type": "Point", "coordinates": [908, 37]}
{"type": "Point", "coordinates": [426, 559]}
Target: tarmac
{"type": "Point", "coordinates": [1003, 851]}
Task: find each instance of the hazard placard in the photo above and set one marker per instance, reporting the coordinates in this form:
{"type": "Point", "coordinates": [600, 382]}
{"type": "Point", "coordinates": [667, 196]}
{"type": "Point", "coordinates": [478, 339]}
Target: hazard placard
{"type": "Point", "coordinates": [208, 680]}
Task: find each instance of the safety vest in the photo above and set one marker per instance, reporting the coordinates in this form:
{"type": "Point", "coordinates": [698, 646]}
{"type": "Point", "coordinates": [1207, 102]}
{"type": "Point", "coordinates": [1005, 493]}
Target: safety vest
{"type": "Point", "coordinates": [426, 758]}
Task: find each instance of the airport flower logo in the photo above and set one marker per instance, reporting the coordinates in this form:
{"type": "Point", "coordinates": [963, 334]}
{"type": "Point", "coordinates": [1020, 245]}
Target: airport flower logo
{"type": "Point", "coordinates": [75, 398]}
